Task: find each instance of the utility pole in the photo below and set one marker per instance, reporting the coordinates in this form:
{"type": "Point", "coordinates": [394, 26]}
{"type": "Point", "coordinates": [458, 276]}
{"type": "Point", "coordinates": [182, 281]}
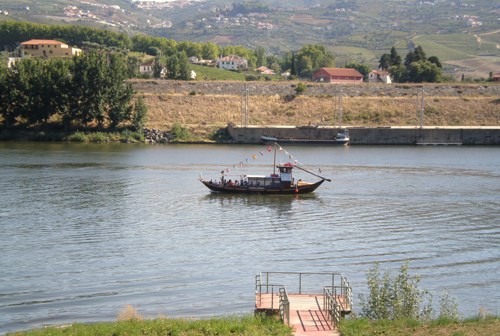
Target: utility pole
{"type": "Point", "coordinates": [244, 107]}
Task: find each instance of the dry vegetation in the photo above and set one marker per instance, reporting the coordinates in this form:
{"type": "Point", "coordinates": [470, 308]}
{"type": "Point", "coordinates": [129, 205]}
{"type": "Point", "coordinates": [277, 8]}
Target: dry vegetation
{"type": "Point", "coordinates": [201, 109]}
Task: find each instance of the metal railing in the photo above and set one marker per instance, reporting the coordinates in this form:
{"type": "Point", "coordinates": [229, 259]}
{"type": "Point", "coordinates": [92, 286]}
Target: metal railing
{"type": "Point", "coordinates": [273, 289]}
{"type": "Point", "coordinates": [337, 297]}
{"type": "Point", "coordinates": [337, 300]}
{"type": "Point", "coordinates": [331, 307]}
{"type": "Point", "coordinates": [284, 306]}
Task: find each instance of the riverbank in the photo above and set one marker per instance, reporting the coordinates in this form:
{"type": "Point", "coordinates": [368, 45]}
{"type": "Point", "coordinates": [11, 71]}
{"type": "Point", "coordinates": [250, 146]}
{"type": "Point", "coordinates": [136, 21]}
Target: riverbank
{"type": "Point", "coordinates": [250, 325]}
{"type": "Point", "coordinates": [205, 107]}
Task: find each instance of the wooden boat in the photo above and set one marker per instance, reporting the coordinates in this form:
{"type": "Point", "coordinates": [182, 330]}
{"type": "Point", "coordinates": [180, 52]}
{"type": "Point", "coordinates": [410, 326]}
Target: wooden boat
{"type": "Point", "coordinates": [342, 139]}
{"type": "Point", "coordinates": [279, 182]}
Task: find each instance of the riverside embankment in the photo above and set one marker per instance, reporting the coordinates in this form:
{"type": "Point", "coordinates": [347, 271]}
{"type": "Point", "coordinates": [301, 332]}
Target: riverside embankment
{"type": "Point", "coordinates": [375, 113]}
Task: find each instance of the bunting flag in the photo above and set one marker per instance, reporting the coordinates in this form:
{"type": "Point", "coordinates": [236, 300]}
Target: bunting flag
{"type": "Point", "coordinates": [262, 152]}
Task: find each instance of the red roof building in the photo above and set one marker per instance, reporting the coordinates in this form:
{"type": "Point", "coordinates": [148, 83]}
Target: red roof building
{"type": "Point", "coordinates": [337, 75]}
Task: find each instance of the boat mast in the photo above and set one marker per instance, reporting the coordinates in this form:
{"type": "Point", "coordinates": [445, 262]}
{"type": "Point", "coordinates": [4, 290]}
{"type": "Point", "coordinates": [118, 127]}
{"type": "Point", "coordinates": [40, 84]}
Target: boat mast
{"type": "Point", "coordinates": [274, 163]}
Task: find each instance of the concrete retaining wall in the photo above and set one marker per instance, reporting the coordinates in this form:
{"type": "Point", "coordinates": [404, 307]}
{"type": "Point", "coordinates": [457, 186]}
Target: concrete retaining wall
{"type": "Point", "coordinates": [376, 136]}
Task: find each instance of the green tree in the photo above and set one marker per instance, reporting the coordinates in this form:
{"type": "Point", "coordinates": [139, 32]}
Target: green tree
{"type": "Point", "coordinates": [173, 67]}
{"type": "Point", "coordinates": [88, 89]}
{"type": "Point", "coordinates": [133, 64]}
{"type": "Point", "coordinates": [363, 69]}
{"type": "Point", "coordinates": [15, 92]}
{"type": "Point", "coordinates": [395, 59]}
{"type": "Point", "coordinates": [311, 57]}
{"type": "Point", "coordinates": [184, 67]}
{"type": "Point", "coordinates": [140, 113]}
{"type": "Point", "coordinates": [293, 66]}
{"type": "Point", "coordinates": [157, 67]}
{"type": "Point", "coordinates": [435, 60]}
{"type": "Point", "coordinates": [414, 56]}
{"type": "Point", "coordinates": [119, 92]}
{"type": "Point", "coordinates": [210, 51]}
{"type": "Point", "coordinates": [424, 71]}
{"type": "Point", "coordinates": [260, 54]}
{"type": "Point", "coordinates": [398, 73]}
{"type": "Point", "coordinates": [385, 62]}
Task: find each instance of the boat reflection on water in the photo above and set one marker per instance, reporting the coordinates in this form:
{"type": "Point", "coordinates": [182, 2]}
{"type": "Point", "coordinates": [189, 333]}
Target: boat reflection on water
{"type": "Point", "coordinates": [280, 203]}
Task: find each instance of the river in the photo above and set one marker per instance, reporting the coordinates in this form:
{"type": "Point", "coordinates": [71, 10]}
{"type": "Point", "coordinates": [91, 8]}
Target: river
{"type": "Point", "coordinates": [86, 229]}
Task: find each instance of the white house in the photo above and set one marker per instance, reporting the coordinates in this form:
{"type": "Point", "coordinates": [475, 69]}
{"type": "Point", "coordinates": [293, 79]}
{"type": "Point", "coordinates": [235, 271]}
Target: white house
{"type": "Point", "coordinates": [146, 67]}
{"type": "Point", "coordinates": [379, 76]}
{"type": "Point", "coordinates": [232, 62]}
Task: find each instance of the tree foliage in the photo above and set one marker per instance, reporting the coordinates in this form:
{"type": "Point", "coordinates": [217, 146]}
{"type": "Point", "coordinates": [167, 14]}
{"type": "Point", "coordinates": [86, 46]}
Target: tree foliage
{"type": "Point", "coordinates": [363, 69]}
{"type": "Point", "coordinates": [12, 33]}
{"type": "Point", "coordinates": [417, 68]}
{"type": "Point", "coordinates": [311, 57]}
{"type": "Point", "coordinates": [90, 88]}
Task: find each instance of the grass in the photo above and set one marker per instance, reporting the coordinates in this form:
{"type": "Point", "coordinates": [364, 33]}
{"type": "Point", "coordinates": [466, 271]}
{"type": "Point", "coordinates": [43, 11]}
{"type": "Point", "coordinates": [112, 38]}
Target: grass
{"type": "Point", "coordinates": [77, 136]}
{"type": "Point", "coordinates": [439, 327]}
{"type": "Point", "coordinates": [132, 324]}
{"type": "Point", "coordinates": [209, 73]}
{"type": "Point", "coordinates": [243, 326]}
{"type": "Point", "coordinates": [204, 110]}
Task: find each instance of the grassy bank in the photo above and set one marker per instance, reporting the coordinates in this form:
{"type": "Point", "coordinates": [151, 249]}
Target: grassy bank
{"type": "Point", "coordinates": [73, 136]}
{"type": "Point", "coordinates": [256, 326]}
{"type": "Point", "coordinates": [243, 326]}
{"type": "Point", "coordinates": [439, 327]}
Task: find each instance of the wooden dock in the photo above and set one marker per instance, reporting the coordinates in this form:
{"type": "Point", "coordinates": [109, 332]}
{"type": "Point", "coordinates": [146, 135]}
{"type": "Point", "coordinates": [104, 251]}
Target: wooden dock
{"type": "Point", "coordinates": [309, 314]}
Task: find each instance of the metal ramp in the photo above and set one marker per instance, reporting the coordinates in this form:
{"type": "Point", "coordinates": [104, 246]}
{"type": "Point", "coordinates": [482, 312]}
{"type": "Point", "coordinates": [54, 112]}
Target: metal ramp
{"type": "Point", "coordinates": [305, 303]}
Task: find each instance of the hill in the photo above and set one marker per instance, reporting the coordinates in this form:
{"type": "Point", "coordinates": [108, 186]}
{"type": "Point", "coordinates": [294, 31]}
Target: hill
{"type": "Point", "coordinates": [463, 34]}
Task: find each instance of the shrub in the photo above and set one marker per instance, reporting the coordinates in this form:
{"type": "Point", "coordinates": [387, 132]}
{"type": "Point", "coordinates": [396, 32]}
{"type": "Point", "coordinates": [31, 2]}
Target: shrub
{"type": "Point", "coordinates": [78, 137]}
{"type": "Point", "coordinates": [392, 298]}
{"type": "Point", "coordinates": [179, 132]}
{"type": "Point", "coordinates": [448, 308]}
{"type": "Point", "coordinates": [252, 78]}
{"type": "Point", "coordinates": [98, 137]}
{"type": "Point", "coordinates": [301, 88]}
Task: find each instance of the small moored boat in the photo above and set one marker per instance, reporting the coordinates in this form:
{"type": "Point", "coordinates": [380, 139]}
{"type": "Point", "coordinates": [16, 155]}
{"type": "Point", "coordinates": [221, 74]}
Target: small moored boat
{"type": "Point", "coordinates": [342, 139]}
{"type": "Point", "coordinates": [279, 182]}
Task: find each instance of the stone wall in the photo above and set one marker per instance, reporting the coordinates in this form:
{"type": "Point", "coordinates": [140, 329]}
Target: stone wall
{"type": "Point", "coordinates": [377, 135]}
{"type": "Point", "coordinates": [286, 88]}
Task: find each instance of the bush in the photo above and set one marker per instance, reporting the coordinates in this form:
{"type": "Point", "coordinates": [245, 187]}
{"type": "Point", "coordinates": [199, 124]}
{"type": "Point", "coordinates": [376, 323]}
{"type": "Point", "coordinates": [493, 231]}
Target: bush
{"type": "Point", "coordinates": [98, 137]}
{"type": "Point", "coordinates": [78, 137]}
{"type": "Point", "coordinates": [301, 88]}
{"type": "Point", "coordinates": [252, 78]}
{"type": "Point", "coordinates": [392, 299]}
{"type": "Point", "coordinates": [179, 132]}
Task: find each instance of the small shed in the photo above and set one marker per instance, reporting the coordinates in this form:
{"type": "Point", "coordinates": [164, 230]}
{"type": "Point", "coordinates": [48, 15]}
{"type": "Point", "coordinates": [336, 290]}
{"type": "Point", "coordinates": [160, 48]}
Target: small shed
{"type": "Point", "coordinates": [379, 76]}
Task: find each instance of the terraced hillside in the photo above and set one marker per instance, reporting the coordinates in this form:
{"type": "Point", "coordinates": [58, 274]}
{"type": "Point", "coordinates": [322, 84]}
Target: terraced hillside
{"type": "Point", "coordinates": [463, 34]}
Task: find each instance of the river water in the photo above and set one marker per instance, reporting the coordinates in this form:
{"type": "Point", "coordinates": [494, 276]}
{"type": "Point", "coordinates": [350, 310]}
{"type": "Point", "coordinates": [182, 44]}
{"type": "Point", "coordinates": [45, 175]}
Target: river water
{"type": "Point", "coordinates": [86, 229]}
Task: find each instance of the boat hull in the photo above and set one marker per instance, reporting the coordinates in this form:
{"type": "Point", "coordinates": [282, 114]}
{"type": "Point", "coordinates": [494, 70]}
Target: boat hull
{"type": "Point", "coordinates": [291, 141]}
{"type": "Point", "coordinates": [303, 188]}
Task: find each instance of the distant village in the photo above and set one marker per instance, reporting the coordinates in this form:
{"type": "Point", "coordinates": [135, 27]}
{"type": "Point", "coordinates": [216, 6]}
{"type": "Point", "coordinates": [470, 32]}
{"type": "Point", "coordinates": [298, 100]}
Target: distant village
{"type": "Point", "coordinates": [54, 48]}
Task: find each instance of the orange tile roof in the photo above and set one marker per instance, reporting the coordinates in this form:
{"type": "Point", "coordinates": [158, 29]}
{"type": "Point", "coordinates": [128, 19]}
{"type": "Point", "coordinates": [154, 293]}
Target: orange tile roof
{"type": "Point", "coordinates": [34, 41]}
{"type": "Point", "coordinates": [343, 72]}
